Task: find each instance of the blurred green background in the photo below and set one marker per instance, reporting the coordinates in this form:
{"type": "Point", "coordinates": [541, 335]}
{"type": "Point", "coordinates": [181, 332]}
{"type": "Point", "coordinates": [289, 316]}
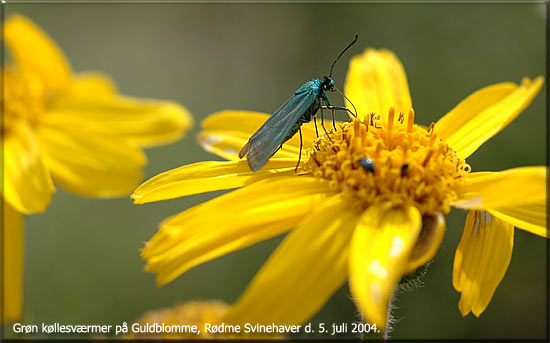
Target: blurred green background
{"type": "Point", "coordinates": [82, 259]}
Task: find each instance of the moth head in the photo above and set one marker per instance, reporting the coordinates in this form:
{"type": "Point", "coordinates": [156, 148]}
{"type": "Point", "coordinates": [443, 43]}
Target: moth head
{"type": "Point", "coordinates": [328, 84]}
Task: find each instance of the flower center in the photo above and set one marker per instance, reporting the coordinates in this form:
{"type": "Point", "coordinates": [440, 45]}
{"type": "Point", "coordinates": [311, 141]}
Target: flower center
{"type": "Point", "coordinates": [395, 162]}
{"type": "Point", "coordinates": [24, 98]}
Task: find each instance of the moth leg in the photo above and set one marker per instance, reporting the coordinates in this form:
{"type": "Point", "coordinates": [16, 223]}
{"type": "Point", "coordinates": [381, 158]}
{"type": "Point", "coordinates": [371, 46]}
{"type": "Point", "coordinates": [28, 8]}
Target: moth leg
{"type": "Point", "coordinates": [300, 154]}
{"type": "Point", "coordinates": [315, 122]}
{"type": "Point", "coordinates": [323, 124]}
{"type": "Point", "coordinates": [328, 106]}
{"type": "Point", "coordinates": [279, 148]}
{"type": "Point", "coordinates": [340, 108]}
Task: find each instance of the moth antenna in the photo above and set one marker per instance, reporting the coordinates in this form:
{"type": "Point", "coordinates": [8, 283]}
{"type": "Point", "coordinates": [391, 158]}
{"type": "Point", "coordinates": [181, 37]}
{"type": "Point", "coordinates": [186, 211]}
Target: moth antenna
{"type": "Point", "coordinates": [343, 51]}
{"type": "Point", "coordinates": [345, 97]}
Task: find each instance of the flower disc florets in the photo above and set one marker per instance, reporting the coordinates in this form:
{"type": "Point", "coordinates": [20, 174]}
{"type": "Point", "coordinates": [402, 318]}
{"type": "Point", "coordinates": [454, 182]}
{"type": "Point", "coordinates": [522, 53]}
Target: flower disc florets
{"type": "Point", "coordinates": [395, 162]}
{"type": "Point", "coordinates": [24, 98]}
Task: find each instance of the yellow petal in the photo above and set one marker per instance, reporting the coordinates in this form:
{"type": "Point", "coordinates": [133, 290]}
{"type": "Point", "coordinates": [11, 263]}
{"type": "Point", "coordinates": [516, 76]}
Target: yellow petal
{"type": "Point", "coordinates": [380, 250]}
{"type": "Point", "coordinates": [230, 222]}
{"type": "Point", "coordinates": [433, 231]}
{"type": "Point", "coordinates": [145, 122]}
{"type": "Point", "coordinates": [90, 85]}
{"type": "Point", "coordinates": [227, 145]}
{"type": "Point", "coordinates": [481, 260]}
{"type": "Point", "coordinates": [484, 113]}
{"type": "Point", "coordinates": [240, 121]}
{"type": "Point", "coordinates": [34, 50]}
{"type": "Point", "coordinates": [206, 177]}
{"type": "Point", "coordinates": [530, 217]}
{"type": "Point", "coordinates": [303, 272]}
{"type": "Point", "coordinates": [90, 164]}
{"type": "Point", "coordinates": [225, 133]}
{"type": "Point", "coordinates": [506, 188]}
{"type": "Point", "coordinates": [28, 186]}
{"type": "Point", "coordinates": [13, 262]}
{"type": "Point", "coordinates": [376, 81]}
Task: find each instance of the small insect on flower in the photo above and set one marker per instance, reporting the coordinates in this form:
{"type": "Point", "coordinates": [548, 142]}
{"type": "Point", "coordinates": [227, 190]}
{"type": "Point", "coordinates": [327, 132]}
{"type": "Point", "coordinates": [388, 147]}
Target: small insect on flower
{"type": "Point", "coordinates": [367, 164]}
{"type": "Point", "coordinates": [345, 222]}
{"type": "Point", "coordinates": [405, 170]}
{"type": "Point", "coordinates": [287, 119]}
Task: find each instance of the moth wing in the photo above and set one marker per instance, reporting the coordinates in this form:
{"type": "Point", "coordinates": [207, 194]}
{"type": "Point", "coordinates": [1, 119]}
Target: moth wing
{"type": "Point", "coordinates": [264, 142]}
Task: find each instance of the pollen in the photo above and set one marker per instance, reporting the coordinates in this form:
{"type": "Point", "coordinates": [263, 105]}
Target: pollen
{"type": "Point", "coordinates": [394, 162]}
{"type": "Point", "coordinates": [24, 98]}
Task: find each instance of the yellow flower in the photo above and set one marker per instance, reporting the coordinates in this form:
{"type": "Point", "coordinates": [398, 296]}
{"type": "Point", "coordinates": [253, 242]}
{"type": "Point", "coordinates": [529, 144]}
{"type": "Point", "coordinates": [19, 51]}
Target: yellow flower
{"type": "Point", "coordinates": [369, 223]}
{"type": "Point", "coordinates": [73, 129]}
{"type": "Point", "coordinates": [197, 312]}
{"type": "Point", "coordinates": [206, 315]}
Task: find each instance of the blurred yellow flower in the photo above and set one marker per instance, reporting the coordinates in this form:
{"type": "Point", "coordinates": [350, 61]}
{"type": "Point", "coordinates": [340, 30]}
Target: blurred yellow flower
{"type": "Point", "coordinates": [73, 129]}
{"type": "Point", "coordinates": [205, 315]}
{"type": "Point", "coordinates": [367, 221]}
{"type": "Point", "coordinates": [197, 312]}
